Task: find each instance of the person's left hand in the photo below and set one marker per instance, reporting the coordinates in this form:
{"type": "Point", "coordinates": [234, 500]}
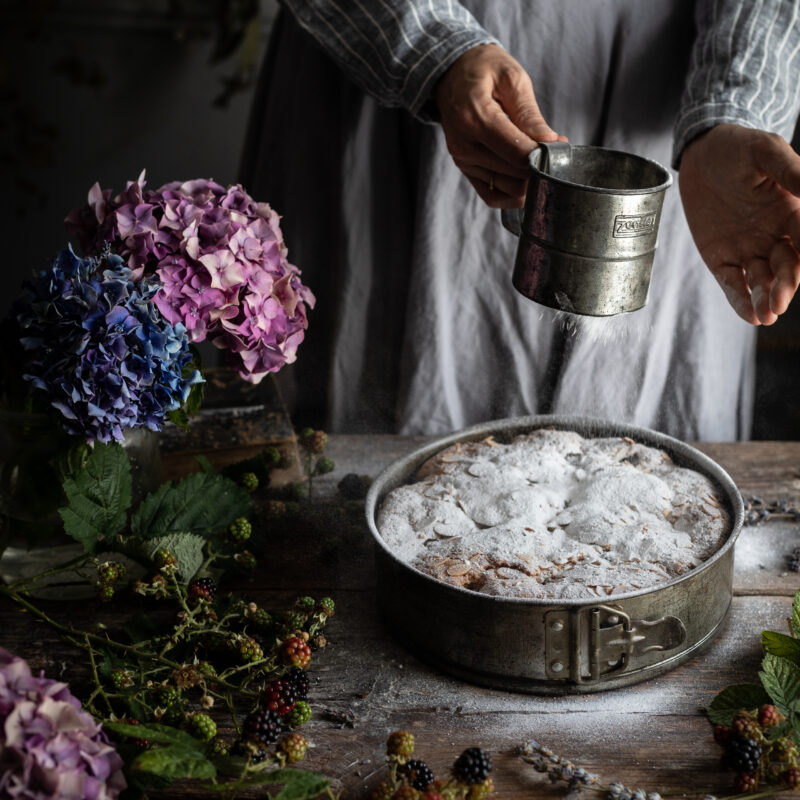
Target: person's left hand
{"type": "Point", "coordinates": [741, 193]}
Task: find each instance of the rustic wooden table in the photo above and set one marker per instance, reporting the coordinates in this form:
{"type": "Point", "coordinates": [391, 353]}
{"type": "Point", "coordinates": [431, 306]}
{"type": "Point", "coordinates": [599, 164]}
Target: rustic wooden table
{"type": "Point", "coordinates": [651, 735]}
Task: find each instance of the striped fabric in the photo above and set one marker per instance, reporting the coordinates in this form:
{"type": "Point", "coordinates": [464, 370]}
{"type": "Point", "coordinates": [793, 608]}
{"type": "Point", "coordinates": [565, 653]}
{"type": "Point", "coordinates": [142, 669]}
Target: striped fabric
{"type": "Point", "coordinates": [745, 66]}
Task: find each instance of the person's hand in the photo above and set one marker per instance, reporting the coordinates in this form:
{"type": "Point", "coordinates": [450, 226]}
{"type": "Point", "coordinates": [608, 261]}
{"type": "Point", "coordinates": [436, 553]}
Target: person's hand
{"type": "Point", "coordinates": [491, 123]}
{"type": "Point", "coordinates": [741, 193]}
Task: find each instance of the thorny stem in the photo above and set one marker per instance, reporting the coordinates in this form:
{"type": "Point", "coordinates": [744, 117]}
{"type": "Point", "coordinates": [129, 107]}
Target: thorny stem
{"type": "Point", "coordinates": [35, 580]}
{"type": "Point", "coordinates": [96, 677]}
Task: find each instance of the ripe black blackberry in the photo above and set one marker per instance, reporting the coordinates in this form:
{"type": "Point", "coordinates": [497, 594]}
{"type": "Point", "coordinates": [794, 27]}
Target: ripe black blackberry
{"type": "Point", "coordinates": [299, 679]}
{"type": "Point", "coordinates": [417, 773]}
{"type": "Point", "coordinates": [202, 589]}
{"type": "Point", "coordinates": [474, 765]}
{"type": "Point", "coordinates": [280, 696]}
{"type": "Point", "coordinates": [264, 724]}
{"type": "Point", "coordinates": [743, 755]}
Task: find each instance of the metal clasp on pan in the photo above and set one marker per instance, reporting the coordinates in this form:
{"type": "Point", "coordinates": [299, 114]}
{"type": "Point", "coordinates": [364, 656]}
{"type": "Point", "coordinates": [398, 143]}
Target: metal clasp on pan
{"type": "Point", "coordinates": [587, 644]}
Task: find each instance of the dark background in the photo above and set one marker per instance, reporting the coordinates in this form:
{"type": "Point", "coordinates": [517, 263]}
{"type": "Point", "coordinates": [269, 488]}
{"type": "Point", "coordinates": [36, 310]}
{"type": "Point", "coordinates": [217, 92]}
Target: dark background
{"type": "Point", "coordinates": [97, 90]}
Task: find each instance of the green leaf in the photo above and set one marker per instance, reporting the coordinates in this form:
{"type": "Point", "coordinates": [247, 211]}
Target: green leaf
{"type": "Point", "coordinates": [204, 463]}
{"type": "Point", "coordinates": [155, 732]}
{"type": "Point", "coordinates": [781, 679]}
{"type": "Point", "coordinates": [722, 709]}
{"type": "Point", "coordinates": [186, 547]}
{"type": "Point", "coordinates": [779, 644]}
{"type": "Point", "coordinates": [203, 503]}
{"type": "Point", "coordinates": [297, 784]}
{"type": "Point", "coordinates": [175, 762]}
{"type": "Point", "coordinates": [98, 495]}
{"type": "Point", "coordinates": [796, 615]}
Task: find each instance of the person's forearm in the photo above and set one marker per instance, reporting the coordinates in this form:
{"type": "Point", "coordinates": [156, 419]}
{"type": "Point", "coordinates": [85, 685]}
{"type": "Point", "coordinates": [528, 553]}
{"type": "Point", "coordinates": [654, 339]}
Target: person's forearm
{"type": "Point", "coordinates": [396, 50]}
{"type": "Point", "coordinates": [745, 69]}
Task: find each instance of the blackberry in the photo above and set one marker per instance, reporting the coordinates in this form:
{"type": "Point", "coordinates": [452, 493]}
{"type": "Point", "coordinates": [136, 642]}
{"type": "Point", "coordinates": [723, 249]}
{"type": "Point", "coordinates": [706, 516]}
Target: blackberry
{"type": "Point", "coordinates": [474, 765]}
{"type": "Point", "coordinates": [417, 773]}
{"type": "Point", "coordinates": [280, 696]}
{"type": "Point", "coordinates": [296, 651]}
{"type": "Point", "coordinates": [769, 716]}
{"type": "Point", "coordinates": [354, 487]}
{"type": "Point", "coordinates": [400, 744]}
{"type": "Point", "coordinates": [324, 465]}
{"type": "Point", "coordinates": [202, 589]}
{"type": "Point", "coordinates": [743, 755]}
{"type": "Point", "coordinates": [299, 715]}
{"type": "Point", "coordinates": [794, 559]}
{"type": "Point", "coordinates": [299, 679]}
{"type": "Point", "coordinates": [745, 726]}
{"type": "Point", "coordinates": [240, 529]}
{"type": "Point", "coordinates": [295, 747]}
{"type": "Point", "coordinates": [722, 735]}
{"type": "Point", "coordinates": [327, 606]}
{"type": "Point", "coordinates": [264, 724]}
{"type": "Point", "coordinates": [253, 748]}
{"type": "Point", "coordinates": [249, 481]}
{"type": "Point", "coordinates": [202, 727]}
{"type": "Point", "coordinates": [313, 441]}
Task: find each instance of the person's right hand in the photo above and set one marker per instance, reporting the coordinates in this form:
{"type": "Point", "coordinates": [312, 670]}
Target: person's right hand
{"type": "Point", "coordinates": [491, 122]}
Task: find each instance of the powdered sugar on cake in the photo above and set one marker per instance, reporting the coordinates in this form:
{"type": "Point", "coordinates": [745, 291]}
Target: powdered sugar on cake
{"type": "Point", "coordinates": [553, 514]}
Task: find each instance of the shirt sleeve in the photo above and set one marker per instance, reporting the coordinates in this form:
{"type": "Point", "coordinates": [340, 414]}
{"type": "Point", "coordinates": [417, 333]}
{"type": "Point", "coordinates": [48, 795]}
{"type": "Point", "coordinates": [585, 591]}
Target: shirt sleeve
{"type": "Point", "coordinates": [745, 69]}
{"type": "Point", "coordinates": [395, 50]}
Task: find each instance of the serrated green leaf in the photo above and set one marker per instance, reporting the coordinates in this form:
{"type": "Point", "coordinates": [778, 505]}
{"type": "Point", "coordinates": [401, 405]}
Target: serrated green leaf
{"type": "Point", "coordinates": [174, 762]}
{"type": "Point", "coordinates": [796, 615]}
{"type": "Point", "coordinates": [155, 732]}
{"type": "Point", "coordinates": [202, 503]}
{"type": "Point", "coordinates": [781, 679]}
{"type": "Point", "coordinates": [722, 709]}
{"type": "Point", "coordinates": [297, 784]}
{"type": "Point", "coordinates": [99, 495]}
{"type": "Point", "coordinates": [186, 547]}
{"type": "Point", "coordinates": [204, 463]}
{"type": "Point", "coordinates": [779, 644]}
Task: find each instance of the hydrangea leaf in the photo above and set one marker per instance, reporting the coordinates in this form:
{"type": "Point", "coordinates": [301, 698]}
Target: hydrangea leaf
{"type": "Point", "coordinates": [297, 784]}
{"type": "Point", "coordinates": [99, 496]}
{"type": "Point", "coordinates": [781, 679]}
{"type": "Point", "coordinates": [203, 503]}
{"type": "Point", "coordinates": [186, 547]}
{"type": "Point", "coordinates": [779, 644]}
{"type": "Point", "coordinates": [724, 707]}
{"type": "Point", "coordinates": [174, 761]}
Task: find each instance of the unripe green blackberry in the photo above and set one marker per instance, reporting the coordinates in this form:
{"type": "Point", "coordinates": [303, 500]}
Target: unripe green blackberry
{"type": "Point", "coordinates": [327, 606]}
{"type": "Point", "coordinates": [400, 745]}
{"type": "Point", "coordinates": [479, 791]}
{"type": "Point", "coordinates": [240, 529]}
{"type": "Point", "coordinates": [167, 696]}
{"type": "Point", "coordinates": [295, 651]}
{"type": "Point", "coordinates": [165, 560]}
{"type": "Point", "coordinates": [295, 746]}
{"type": "Point", "coordinates": [745, 726]}
{"type": "Point", "coordinates": [245, 560]}
{"type": "Point", "coordinates": [296, 491]}
{"type": "Point", "coordinates": [784, 749]}
{"type": "Point", "coordinates": [299, 715]}
{"type": "Point", "coordinates": [202, 727]}
{"type": "Point", "coordinates": [383, 791]}
{"type": "Point", "coordinates": [111, 572]}
{"type": "Point", "coordinates": [217, 748]}
{"type": "Point", "coordinates": [121, 679]}
{"type": "Point", "coordinates": [261, 618]}
{"type": "Point", "coordinates": [324, 465]}
{"type": "Point", "coordinates": [174, 714]}
{"type": "Point", "coordinates": [405, 792]}
{"type": "Point", "coordinates": [270, 456]}
{"type": "Point", "coordinates": [306, 604]}
{"type": "Point", "coordinates": [294, 619]}
{"type": "Point", "coordinates": [250, 650]}
{"type": "Point", "coordinates": [249, 481]}
{"type": "Point", "coordinates": [105, 591]}
{"type": "Point", "coordinates": [472, 766]}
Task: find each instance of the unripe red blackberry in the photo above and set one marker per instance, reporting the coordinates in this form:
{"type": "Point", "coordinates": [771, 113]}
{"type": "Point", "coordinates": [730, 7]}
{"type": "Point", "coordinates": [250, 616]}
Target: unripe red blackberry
{"type": "Point", "coordinates": [400, 745]}
{"type": "Point", "coordinates": [313, 441]}
{"type": "Point", "coordinates": [792, 777]}
{"type": "Point", "coordinates": [295, 746]}
{"type": "Point", "coordinates": [250, 650]}
{"type": "Point", "coordinates": [279, 696]}
{"type": "Point", "coordinates": [746, 781]}
{"type": "Point", "coordinates": [769, 716]}
{"type": "Point", "coordinates": [722, 735]}
{"type": "Point", "coordinates": [295, 651]}
{"type": "Point", "coordinates": [747, 727]}
{"type": "Point", "coordinates": [139, 743]}
{"type": "Point", "coordinates": [202, 589]}
{"type": "Point", "coordinates": [473, 766]}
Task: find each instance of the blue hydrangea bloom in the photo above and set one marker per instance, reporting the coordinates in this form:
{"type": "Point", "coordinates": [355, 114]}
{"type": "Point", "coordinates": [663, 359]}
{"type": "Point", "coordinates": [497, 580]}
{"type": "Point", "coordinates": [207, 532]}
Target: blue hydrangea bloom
{"type": "Point", "coordinates": [100, 349]}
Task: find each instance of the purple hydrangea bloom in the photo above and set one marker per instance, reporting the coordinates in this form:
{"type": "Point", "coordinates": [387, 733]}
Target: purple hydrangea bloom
{"type": "Point", "coordinates": [221, 259]}
{"type": "Point", "coordinates": [49, 747]}
{"type": "Point", "coordinates": [99, 348]}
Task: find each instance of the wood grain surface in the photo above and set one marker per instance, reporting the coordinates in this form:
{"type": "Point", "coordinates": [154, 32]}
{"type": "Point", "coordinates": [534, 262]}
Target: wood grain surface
{"type": "Point", "coordinates": [651, 735]}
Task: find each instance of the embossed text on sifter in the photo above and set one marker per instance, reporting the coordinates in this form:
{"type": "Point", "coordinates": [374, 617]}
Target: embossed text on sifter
{"type": "Point", "coordinates": [552, 645]}
{"type": "Point", "coordinates": [587, 236]}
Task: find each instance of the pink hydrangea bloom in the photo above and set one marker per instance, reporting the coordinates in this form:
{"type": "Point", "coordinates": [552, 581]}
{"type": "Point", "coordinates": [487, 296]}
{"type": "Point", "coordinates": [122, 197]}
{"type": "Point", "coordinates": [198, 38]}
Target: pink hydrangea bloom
{"type": "Point", "coordinates": [49, 747]}
{"type": "Point", "coordinates": [221, 259]}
